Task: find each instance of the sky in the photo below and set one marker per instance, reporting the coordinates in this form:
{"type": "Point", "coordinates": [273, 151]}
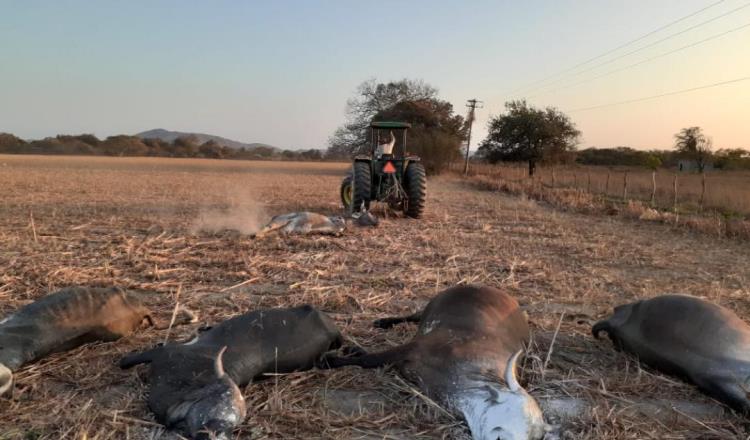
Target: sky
{"type": "Point", "coordinates": [280, 72]}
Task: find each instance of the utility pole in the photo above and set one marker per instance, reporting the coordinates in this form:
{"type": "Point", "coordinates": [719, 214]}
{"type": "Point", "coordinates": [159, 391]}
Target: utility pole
{"type": "Point", "coordinates": [473, 104]}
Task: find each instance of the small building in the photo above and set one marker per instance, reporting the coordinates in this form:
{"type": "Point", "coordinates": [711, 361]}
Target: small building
{"type": "Point", "coordinates": [690, 165]}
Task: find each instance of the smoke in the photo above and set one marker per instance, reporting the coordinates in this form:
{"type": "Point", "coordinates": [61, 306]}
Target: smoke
{"type": "Point", "coordinates": [242, 213]}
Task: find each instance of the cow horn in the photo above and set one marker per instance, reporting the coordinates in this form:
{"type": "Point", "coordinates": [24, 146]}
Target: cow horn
{"type": "Point", "coordinates": [6, 379]}
{"type": "Point", "coordinates": [510, 373]}
{"type": "Point", "coordinates": [219, 363]}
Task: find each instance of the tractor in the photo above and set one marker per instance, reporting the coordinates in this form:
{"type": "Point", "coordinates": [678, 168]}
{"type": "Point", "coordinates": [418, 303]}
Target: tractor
{"type": "Point", "coordinates": [388, 174]}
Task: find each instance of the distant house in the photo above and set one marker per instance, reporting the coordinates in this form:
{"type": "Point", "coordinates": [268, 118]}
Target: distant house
{"type": "Point", "coordinates": [691, 165]}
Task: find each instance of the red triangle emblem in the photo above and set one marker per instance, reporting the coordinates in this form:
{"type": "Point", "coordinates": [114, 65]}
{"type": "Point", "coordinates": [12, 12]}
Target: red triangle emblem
{"type": "Point", "coordinates": [389, 168]}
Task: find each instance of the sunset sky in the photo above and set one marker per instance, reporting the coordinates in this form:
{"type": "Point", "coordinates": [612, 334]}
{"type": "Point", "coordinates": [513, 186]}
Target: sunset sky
{"type": "Point", "coordinates": [280, 72]}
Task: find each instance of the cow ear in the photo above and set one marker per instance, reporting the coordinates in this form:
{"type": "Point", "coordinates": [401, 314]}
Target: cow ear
{"type": "Point", "coordinates": [510, 373]}
{"type": "Point", "coordinates": [219, 363]}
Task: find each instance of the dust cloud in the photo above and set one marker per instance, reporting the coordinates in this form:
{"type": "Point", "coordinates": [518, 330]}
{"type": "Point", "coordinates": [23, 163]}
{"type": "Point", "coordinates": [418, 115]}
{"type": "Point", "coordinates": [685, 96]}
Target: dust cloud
{"type": "Point", "coordinates": [242, 213]}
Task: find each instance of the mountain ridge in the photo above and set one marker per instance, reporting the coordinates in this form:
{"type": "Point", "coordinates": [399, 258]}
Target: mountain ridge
{"type": "Point", "coordinates": [170, 136]}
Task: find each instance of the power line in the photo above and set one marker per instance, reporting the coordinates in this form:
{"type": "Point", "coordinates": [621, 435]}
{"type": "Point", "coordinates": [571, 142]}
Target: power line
{"type": "Point", "coordinates": [713, 37]}
{"type": "Point", "coordinates": [668, 37]}
{"type": "Point", "coordinates": [473, 104]}
{"type": "Point", "coordinates": [677, 92]}
{"type": "Point", "coordinates": [512, 92]}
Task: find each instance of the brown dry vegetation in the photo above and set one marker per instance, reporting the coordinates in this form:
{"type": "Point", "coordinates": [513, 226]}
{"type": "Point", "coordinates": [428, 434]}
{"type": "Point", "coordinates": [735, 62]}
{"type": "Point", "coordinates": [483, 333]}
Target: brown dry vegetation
{"type": "Point", "coordinates": [727, 192]}
{"type": "Point", "coordinates": [132, 222]}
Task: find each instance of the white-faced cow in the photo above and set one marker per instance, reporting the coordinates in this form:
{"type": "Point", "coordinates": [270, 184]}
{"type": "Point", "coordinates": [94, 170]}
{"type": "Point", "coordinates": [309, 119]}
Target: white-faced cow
{"type": "Point", "coordinates": [464, 356]}
{"type": "Point", "coordinates": [701, 342]}
{"type": "Point", "coordinates": [303, 223]}
{"type": "Point", "coordinates": [256, 343]}
{"type": "Point", "coordinates": [67, 319]}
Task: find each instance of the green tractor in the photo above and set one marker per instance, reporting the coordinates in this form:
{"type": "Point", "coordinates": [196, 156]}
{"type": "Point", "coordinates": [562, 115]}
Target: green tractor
{"type": "Point", "coordinates": [388, 174]}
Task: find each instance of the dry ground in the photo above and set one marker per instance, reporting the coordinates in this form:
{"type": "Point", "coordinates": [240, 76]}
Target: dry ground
{"type": "Point", "coordinates": [132, 222]}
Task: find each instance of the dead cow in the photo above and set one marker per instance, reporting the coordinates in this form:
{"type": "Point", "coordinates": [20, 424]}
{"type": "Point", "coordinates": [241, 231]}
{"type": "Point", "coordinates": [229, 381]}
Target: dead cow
{"type": "Point", "coordinates": [257, 343]}
{"type": "Point", "coordinates": [64, 320]}
{"type": "Point", "coordinates": [469, 338]}
{"type": "Point", "coordinates": [303, 223]}
{"type": "Point", "coordinates": [701, 342]}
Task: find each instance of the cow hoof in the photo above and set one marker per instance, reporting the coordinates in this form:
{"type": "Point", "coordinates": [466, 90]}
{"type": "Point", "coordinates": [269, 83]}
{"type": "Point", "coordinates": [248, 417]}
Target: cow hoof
{"type": "Point", "coordinates": [6, 379]}
{"type": "Point", "coordinates": [188, 316]}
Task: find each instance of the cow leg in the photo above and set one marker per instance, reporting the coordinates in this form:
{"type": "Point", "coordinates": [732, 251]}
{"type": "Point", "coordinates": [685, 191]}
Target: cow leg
{"type": "Point", "coordinates": [138, 358]}
{"type": "Point", "coordinates": [730, 393]}
{"type": "Point", "coordinates": [184, 316]}
{"type": "Point", "coordinates": [390, 322]}
{"type": "Point", "coordinates": [353, 350]}
{"type": "Point", "coordinates": [368, 360]}
{"type": "Point", "coordinates": [271, 227]}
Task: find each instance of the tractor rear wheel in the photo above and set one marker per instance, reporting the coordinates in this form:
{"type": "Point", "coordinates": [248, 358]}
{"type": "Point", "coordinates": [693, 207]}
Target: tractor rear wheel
{"type": "Point", "coordinates": [362, 184]}
{"type": "Point", "coordinates": [415, 187]}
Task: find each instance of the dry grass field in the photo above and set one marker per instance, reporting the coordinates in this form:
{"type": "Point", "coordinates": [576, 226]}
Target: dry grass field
{"type": "Point", "coordinates": [158, 224]}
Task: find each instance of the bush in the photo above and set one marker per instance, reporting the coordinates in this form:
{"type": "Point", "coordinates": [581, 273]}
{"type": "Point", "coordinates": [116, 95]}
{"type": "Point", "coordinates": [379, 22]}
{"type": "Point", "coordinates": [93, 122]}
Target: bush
{"type": "Point", "coordinates": [11, 144]}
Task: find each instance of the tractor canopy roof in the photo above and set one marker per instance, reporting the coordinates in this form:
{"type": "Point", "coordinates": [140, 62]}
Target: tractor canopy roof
{"type": "Point", "coordinates": [390, 124]}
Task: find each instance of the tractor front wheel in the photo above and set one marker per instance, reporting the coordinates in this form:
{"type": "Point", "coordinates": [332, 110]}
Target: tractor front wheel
{"type": "Point", "coordinates": [362, 184]}
{"type": "Point", "coordinates": [415, 187]}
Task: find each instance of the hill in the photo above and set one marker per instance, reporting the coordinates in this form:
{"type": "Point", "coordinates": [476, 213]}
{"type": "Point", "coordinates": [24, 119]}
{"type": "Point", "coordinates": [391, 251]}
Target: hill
{"type": "Point", "coordinates": [170, 136]}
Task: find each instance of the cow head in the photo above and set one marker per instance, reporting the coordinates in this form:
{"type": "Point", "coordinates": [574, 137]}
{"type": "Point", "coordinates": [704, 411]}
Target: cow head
{"type": "Point", "coordinates": [494, 412]}
{"type": "Point", "coordinates": [212, 411]}
{"type": "Point", "coordinates": [339, 223]}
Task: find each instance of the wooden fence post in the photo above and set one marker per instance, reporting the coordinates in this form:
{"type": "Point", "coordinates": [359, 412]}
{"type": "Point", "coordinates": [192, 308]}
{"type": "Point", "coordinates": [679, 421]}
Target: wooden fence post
{"type": "Point", "coordinates": [625, 186]}
{"type": "Point", "coordinates": [703, 191]}
{"type": "Point", "coordinates": [588, 183]}
{"type": "Point", "coordinates": [674, 198]}
{"type": "Point", "coordinates": [575, 180]}
{"type": "Point", "coordinates": [606, 187]}
{"type": "Point", "coordinates": [653, 187]}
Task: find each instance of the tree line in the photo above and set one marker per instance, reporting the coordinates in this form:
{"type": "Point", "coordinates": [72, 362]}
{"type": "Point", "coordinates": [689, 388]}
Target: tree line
{"type": "Point", "coordinates": [124, 145]}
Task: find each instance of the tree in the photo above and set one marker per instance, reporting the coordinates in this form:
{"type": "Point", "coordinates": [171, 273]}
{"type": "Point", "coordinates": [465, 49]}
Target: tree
{"type": "Point", "coordinates": [211, 150]}
{"type": "Point", "coordinates": [263, 151]}
{"type": "Point", "coordinates": [311, 154]}
{"type": "Point", "coordinates": [11, 144]}
{"type": "Point", "coordinates": [732, 159]}
{"type": "Point", "coordinates": [692, 143]}
{"type": "Point", "coordinates": [289, 155]}
{"type": "Point", "coordinates": [82, 144]}
{"type": "Point", "coordinates": [528, 134]}
{"type": "Point", "coordinates": [157, 147]}
{"type": "Point", "coordinates": [372, 98]}
{"type": "Point", "coordinates": [436, 131]}
{"type": "Point", "coordinates": [123, 145]}
{"type": "Point", "coordinates": [652, 161]}
{"type": "Point", "coordinates": [185, 146]}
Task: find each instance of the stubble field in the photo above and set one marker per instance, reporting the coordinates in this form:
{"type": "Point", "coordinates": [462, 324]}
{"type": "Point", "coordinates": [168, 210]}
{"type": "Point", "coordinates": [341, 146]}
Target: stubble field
{"type": "Point", "coordinates": [178, 227]}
